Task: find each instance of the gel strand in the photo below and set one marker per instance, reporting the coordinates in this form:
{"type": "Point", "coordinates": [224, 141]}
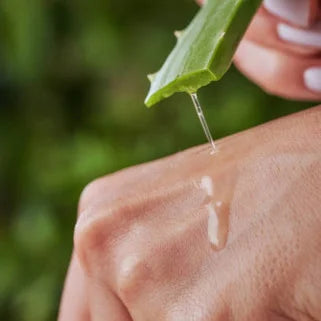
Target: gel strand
{"type": "Point", "coordinates": [203, 121]}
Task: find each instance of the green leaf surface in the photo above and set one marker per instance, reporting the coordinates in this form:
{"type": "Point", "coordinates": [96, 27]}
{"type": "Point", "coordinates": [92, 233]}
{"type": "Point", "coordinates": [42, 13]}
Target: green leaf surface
{"type": "Point", "coordinates": [204, 50]}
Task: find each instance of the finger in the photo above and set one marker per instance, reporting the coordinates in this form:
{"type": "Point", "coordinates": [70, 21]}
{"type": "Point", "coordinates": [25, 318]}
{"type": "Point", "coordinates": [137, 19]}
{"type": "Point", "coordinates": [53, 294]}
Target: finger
{"type": "Point", "coordinates": [74, 304]}
{"type": "Point", "coordinates": [310, 38]}
{"type": "Point", "coordinates": [279, 73]}
{"type": "Point", "coordinates": [266, 30]}
{"type": "Point", "coordinates": [104, 305]}
{"type": "Point", "coordinates": [85, 299]}
{"type": "Point", "coordinates": [281, 34]}
{"type": "Point", "coordinates": [298, 12]}
{"type": "Point", "coordinates": [301, 13]}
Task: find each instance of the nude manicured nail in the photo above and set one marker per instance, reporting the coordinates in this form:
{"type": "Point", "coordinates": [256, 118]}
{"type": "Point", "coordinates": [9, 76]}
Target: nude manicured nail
{"type": "Point", "coordinates": [312, 79]}
{"type": "Point", "coordinates": [305, 37]}
{"type": "Point", "coordinates": [294, 11]}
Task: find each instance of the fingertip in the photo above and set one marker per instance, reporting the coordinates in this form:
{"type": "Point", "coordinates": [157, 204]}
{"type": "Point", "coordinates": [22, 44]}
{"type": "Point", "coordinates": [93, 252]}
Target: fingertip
{"type": "Point", "coordinates": [303, 37]}
{"type": "Point", "coordinates": [312, 79]}
{"type": "Point", "coordinates": [74, 302]}
{"type": "Point", "coordinates": [293, 11]}
{"type": "Point", "coordinates": [276, 72]}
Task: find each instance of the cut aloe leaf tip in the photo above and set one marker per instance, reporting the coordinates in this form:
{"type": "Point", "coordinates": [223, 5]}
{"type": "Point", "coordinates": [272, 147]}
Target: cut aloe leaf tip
{"type": "Point", "coordinates": [204, 50]}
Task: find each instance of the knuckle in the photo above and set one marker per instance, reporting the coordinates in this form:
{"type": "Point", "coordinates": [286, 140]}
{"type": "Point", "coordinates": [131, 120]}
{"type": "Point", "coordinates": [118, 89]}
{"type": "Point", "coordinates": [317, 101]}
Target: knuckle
{"type": "Point", "coordinates": [90, 234]}
{"type": "Point", "coordinates": [90, 193]}
{"type": "Point", "coordinates": [102, 226]}
{"type": "Point", "coordinates": [109, 216]}
{"type": "Point", "coordinates": [96, 223]}
{"type": "Point", "coordinates": [134, 270]}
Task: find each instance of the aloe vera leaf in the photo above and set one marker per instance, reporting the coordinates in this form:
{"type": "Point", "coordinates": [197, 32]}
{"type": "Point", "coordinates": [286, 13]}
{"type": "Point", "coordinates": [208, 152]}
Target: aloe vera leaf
{"type": "Point", "coordinates": [204, 50]}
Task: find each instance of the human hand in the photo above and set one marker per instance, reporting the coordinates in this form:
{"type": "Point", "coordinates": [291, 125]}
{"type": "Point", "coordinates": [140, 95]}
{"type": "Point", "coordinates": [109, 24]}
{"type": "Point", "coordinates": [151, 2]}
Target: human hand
{"type": "Point", "coordinates": [142, 246]}
{"type": "Point", "coordinates": [281, 51]}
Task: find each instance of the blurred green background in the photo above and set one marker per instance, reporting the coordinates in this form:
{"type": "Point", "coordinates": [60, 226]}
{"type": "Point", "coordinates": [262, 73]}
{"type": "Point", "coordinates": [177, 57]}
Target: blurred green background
{"type": "Point", "coordinates": [72, 85]}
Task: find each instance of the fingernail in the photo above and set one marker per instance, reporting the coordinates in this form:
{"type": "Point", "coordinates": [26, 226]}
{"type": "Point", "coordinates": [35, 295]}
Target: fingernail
{"type": "Point", "coordinates": [305, 37]}
{"type": "Point", "coordinates": [294, 11]}
{"type": "Point", "coordinates": [312, 79]}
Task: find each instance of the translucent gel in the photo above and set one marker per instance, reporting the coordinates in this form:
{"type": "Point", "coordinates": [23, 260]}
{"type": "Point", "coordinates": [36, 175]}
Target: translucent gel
{"type": "Point", "coordinates": [218, 215]}
{"type": "Point", "coordinates": [203, 121]}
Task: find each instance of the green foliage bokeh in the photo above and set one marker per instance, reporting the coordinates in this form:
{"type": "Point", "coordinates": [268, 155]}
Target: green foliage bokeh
{"type": "Point", "coordinates": [72, 85]}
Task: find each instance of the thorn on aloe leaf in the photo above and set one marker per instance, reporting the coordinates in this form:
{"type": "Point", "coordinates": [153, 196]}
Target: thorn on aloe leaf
{"type": "Point", "coordinates": [151, 77]}
{"type": "Point", "coordinates": [178, 33]}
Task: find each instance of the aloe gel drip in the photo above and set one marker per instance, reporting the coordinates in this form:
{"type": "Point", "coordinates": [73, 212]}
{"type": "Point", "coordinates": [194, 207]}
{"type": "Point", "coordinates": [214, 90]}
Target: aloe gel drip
{"type": "Point", "coordinates": [203, 121]}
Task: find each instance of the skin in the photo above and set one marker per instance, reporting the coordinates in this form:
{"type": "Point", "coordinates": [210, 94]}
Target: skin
{"type": "Point", "coordinates": [142, 251]}
{"type": "Point", "coordinates": [141, 246]}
